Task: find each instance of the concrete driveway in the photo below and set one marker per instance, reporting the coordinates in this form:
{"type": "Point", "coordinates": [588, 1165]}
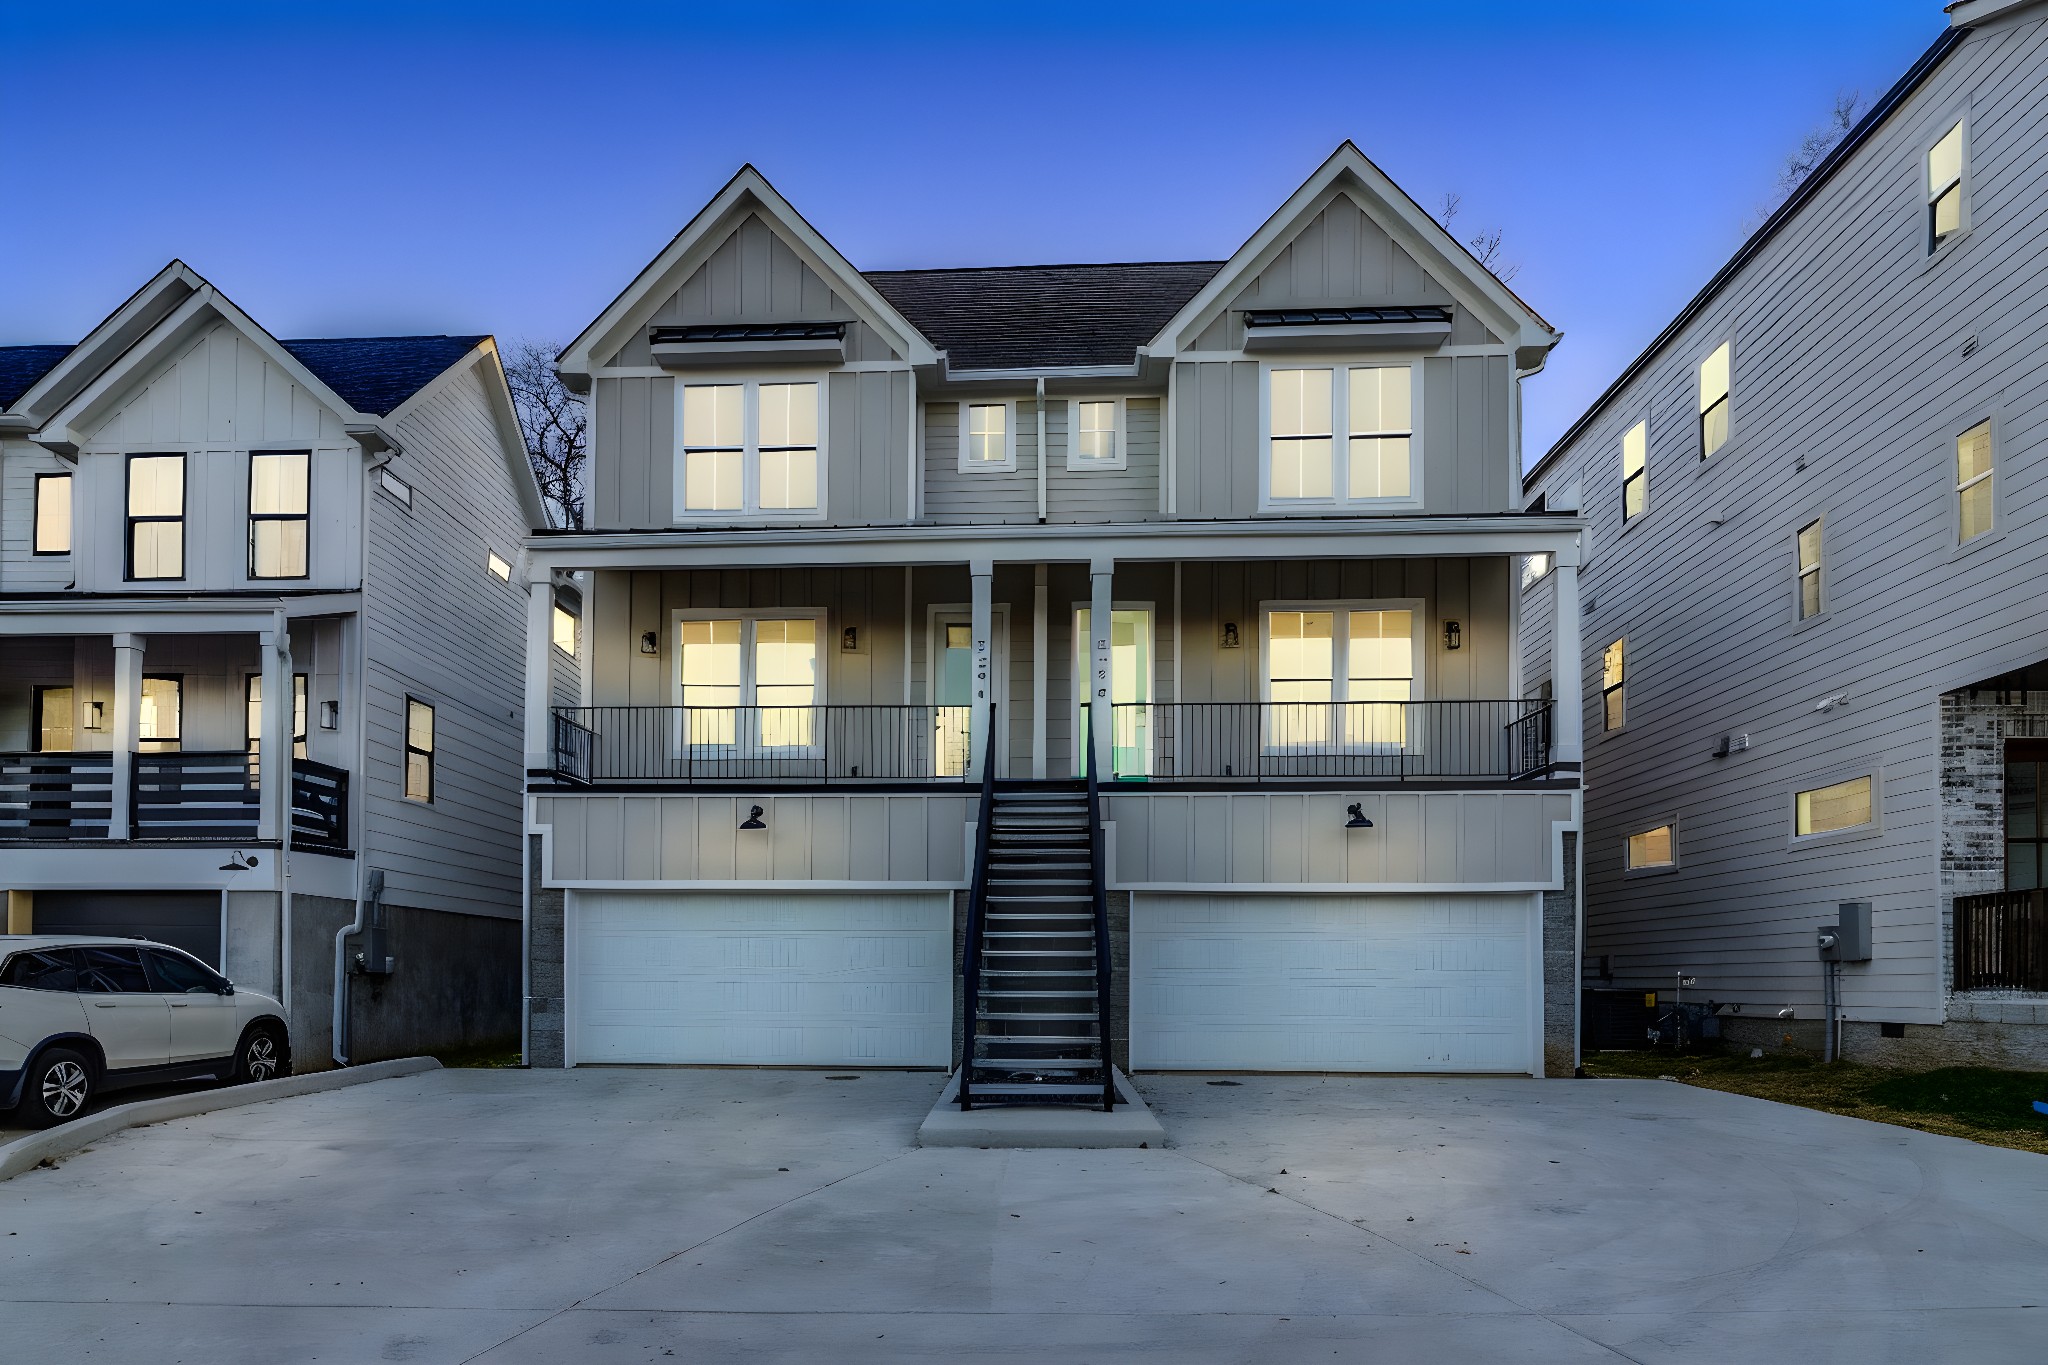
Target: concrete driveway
{"type": "Point", "coordinates": [644, 1215]}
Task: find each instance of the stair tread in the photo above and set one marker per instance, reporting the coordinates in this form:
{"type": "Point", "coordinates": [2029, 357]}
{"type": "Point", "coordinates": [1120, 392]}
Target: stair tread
{"type": "Point", "coordinates": [1048, 1015]}
{"type": "Point", "coordinates": [1039, 1088]}
{"type": "Point", "coordinates": [1077, 994]}
{"type": "Point", "coordinates": [1035, 1063]}
{"type": "Point", "coordinates": [1039, 1039]}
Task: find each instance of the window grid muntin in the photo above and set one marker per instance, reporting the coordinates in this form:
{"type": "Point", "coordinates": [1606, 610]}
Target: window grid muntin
{"type": "Point", "coordinates": [1635, 476]}
{"type": "Point", "coordinates": [1095, 437]}
{"type": "Point", "coordinates": [751, 450]}
{"type": "Point", "coordinates": [1973, 482]}
{"type": "Point", "coordinates": [287, 529]}
{"type": "Point", "coordinates": [164, 529]}
{"type": "Point", "coordinates": [1716, 382]}
{"type": "Point", "coordinates": [1945, 187]}
{"type": "Point", "coordinates": [160, 728]}
{"type": "Point", "coordinates": [252, 719]}
{"type": "Point", "coordinates": [1614, 685]}
{"type": "Point", "coordinates": [419, 751]}
{"type": "Point", "coordinates": [1809, 555]}
{"type": "Point", "coordinates": [1313, 438]}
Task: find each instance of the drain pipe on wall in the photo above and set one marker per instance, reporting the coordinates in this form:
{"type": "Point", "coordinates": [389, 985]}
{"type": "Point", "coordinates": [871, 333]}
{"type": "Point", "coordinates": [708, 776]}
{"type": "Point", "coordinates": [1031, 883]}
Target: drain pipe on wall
{"type": "Point", "coordinates": [360, 799]}
{"type": "Point", "coordinates": [1041, 447]}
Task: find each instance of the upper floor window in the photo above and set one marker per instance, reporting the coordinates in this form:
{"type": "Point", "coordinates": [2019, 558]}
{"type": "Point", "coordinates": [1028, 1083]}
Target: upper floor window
{"type": "Point", "coordinates": [1614, 685]}
{"type": "Point", "coordinates": [1945, 186]}
{"type": "Point", "coordinates": [278, 489]}
{"type": "Point", "coordinates": [53, 514]}
{"type": "Point", "coordinates": [1973, 482]}
{"type": "Point", "coordinates": [1635, 477]}
{"type": "Point", "coordinates": [500, 568]}
{"type": "Point", "coordinates": [1841, 805]}
{"type": "Point", "coordinates": [1714, 401]}
{"type": "Point", "coordinates": [156, 516]}
{"type": "Point", "coordinates": [1809, 569]}
{"type": "Point", "coordinates": [749, 448]}
{"type": "Point", "coordinates": [1373, 406]}
{"type": "Point", "coordinates": [987, 437]}
{"type": "Point", "coordinates": [419, 751]}
{"type": "Point", "coordinates": [565, 630]}
{"type": "Point", "coordinates": [1095, 434]}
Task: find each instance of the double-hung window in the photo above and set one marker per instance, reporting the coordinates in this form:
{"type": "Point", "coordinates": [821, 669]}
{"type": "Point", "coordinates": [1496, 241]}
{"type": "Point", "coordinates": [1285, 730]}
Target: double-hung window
{"type": "Point", "coordinates": [1714, 401]}
{"type": "Point", "coordinates": [1095, 438]}
{"type": "Point", "coordinates": [749, 682]}
{"type": "Point", "coordinates": [53, 514]}
{"type": "Point", "coordinates": [988, 437]}
{"type": "Point", "coordinates": [2026, 815]}
{"type": "Point", "coordinates": [278, 517]}
{"type": "Point", "coordinates": [252, 706]}
{"type": "Point", "coordinates": [749, 448]}
{"type": "Point", "coordinates": [419, 751]}
{"type": "Point", "coordinates": [1973, 482]}
{"type": "Point", "coordinates": [1810, 585]}
{"type": "Point", "coordinates": [1945, 187]}
{"type": "Point", "coordinates": [1614, 685]}
{"type": "Point", "coordinates": [156, 516]}
{"type": "Point", "coordinates": [1635, 473]}
{"type": "Point", "coordinates": [1371, 406]}
{"type": "Point", "coordinates": [1339, 677]}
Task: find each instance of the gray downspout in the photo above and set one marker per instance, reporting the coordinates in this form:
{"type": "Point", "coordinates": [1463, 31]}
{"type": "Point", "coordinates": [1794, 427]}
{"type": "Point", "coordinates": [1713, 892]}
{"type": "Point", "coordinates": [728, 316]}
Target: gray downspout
{"type": "Point", "coordinates": [338, 1038]}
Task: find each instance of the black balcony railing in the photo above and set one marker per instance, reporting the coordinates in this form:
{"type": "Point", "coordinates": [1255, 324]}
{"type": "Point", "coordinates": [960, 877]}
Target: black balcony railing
{"type": "Point", "coordinates": [56, 796]}
{"type": "Point", "coordinates": [761, 743]}
{"type": "Point", "coordinates": [2001, 941]}
{"type": "Point", "coordinates": [1395, 741]}
{"type": "Point", "coordinates": [187, 795]}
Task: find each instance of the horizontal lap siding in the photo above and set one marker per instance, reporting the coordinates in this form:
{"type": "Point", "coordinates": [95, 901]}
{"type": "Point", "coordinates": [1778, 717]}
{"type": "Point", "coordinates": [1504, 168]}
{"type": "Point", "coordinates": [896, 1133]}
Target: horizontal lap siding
{"type": "Point", "coordinates": [1849, 388]}
{"type": "Point", "coordinates": [21, 569]}
{"type": "Point", "coordinates": [445, 630]}
{"type": "Point", "coordinates": [1105, 495]}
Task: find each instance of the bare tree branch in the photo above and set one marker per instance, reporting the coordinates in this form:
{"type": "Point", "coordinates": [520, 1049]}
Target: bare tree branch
{"type": "Point", "coordinates": [553, 421]}
{"type": "Point", "coordinates": [1485, 246]}
{"type": "Point", "coordinates": [1815, 146]}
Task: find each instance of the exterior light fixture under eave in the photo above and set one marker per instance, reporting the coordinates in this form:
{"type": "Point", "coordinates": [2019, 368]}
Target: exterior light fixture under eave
{"type": "Point", "coordinates": [1357, 820]}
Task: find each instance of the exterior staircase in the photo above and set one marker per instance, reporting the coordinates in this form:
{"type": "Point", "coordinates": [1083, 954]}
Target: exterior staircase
{"type": "Point", "coordinates": [1036, 974]}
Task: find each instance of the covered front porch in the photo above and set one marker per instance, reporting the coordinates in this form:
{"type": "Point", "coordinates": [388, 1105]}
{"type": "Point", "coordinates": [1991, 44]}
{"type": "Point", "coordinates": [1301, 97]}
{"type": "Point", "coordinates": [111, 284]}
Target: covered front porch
{"type": "Point", "coordinates": [1277, 655]}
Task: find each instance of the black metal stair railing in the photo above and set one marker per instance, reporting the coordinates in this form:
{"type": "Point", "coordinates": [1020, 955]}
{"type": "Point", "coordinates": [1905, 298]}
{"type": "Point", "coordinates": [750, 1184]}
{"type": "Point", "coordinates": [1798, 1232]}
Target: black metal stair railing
{"type": "Point", "coordinates": [1097, 886]}
{"type": "Point", "coordinates": [977, 891]}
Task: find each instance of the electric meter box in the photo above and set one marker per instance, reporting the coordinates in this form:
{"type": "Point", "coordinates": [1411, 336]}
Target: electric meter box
{"type": "Point", "coordinates": [1852, 931]}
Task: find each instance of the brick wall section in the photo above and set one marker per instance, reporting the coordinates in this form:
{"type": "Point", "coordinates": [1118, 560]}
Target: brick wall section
{"type": "Point", "coordinates": [544, 912]}
{"type": "Point", "coordinates": [1974, 728]}
{"type": "Point", "coordinates": [1561, 968]}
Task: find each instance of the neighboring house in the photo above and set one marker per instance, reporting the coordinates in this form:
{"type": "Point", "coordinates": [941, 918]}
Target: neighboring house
{"type": "Point", "coordinates": [216, 547]}
{"type": "Point", "coordinates": [1816, 636]}
{"type": "Point", "coordinates": [846, 535]}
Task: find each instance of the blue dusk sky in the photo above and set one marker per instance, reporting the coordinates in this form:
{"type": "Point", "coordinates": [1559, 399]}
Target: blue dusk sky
{"type": "Point", "coordinates": [351, 168]}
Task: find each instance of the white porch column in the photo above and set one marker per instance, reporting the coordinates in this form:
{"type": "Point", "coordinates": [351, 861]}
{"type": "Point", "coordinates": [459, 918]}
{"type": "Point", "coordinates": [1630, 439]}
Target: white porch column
{"type": "Point", "coordinates": [1039, 669]}
{"type": "Point", "coordinates": [274, 731]}
{"type": "Point", "coordinates": [1100, 618]}
{"type": "Point", "coordinates": [540, 607]}
{"type": "Point", "coordinates": [1568, 671]}
{"type": "Point", "coordinates": [981, 573]}
{"type": "Point", "coordinates": [126, 731]}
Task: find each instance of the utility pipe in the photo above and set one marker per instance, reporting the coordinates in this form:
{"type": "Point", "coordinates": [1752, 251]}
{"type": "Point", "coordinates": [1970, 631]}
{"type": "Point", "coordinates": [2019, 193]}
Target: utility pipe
{"type": "Point", "coordinates": [359, 793]}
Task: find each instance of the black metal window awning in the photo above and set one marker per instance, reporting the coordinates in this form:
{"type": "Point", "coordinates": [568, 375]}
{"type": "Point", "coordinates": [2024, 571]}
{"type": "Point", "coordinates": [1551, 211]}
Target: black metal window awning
{"type": "Point", "coordinates": [1343, 317]}
{"type": "Point", "coordinates": [750, 331]}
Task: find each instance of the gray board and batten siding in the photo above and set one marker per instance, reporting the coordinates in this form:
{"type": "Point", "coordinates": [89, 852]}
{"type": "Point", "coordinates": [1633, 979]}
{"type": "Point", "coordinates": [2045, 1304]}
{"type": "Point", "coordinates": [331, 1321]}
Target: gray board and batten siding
{"type": "Point", "coordinates": [1858, 358]}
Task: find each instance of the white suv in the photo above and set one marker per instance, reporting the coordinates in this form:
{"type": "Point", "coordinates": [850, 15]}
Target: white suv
{"type": "Point", "coordinates": [80, 1015]}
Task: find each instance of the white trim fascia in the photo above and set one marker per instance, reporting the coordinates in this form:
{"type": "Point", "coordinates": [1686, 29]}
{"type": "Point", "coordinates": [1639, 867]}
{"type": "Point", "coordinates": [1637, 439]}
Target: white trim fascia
{"type": "Point", "coordinates": [1349, 171]}
{"type": "Point", "coordinates": [669, 269]}
{"type": "Point", "coordinates": [105, 342]}
{"type": "Point", "coordinates": [1333, 888]}
{"type": "Point", "coordinates": [1269, 538]}
{"type": "Point", "coordinates": [1013, 375]}
{"type": "Point", "coordinates": [711, 371]}
{"type": "Point", "coordinates": [128, 616]}
{"type": "Point", "coordinates": [792, 884]}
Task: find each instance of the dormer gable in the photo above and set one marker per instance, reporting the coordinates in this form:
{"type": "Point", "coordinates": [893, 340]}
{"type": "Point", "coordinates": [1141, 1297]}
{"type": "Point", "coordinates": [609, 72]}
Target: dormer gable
{"type": "Point", "coordinates": [1350, 246]}
{"type": "Point", "coordinates": [748, 262]}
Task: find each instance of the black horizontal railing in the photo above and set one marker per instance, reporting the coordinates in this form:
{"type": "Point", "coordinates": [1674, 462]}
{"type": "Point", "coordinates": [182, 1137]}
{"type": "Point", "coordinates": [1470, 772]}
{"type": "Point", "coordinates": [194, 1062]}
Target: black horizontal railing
{"type": "Point", "coordinates": [56, 796]}
{"type": "Point", "coordinates": [761, 743]}
{"type": "Point", "coordinates": [2001, 941]}
{"type": "Point", "coordinates": [1365, 740]}
{"type": "Point", "coordinates": [319, 805]}
{"type": "Point", "coordinates": [194, 795]}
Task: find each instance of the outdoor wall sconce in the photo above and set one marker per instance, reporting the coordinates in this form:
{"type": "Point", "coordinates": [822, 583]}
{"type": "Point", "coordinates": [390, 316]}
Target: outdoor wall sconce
{"type": "Point", "coordinates": [95, 715]}
{"type": "Point", "coordinates": [1454, 635]}
{"type": "Point", "coordinates": [238, 862]}
{"type": "Point", "coordinates": [753, 820]}
{"type": "Point", "coordinates": [1230, 640]}
{"type": "Point", "coordinates": [648, 643]}
{"type": "Point", "coordinates": [849, 640]}
{"type": "Point", "coordinates": [1357, 820]}
{"type": "Point", "coordinates": [330, 715]}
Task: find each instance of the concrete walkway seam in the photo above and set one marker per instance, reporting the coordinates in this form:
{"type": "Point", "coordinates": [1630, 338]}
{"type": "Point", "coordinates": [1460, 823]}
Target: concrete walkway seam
{"type": "Point", "coordinates": [25, 1154]}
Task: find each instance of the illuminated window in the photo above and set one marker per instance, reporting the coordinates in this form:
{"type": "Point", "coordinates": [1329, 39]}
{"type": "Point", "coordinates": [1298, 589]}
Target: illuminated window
{"type": "Point", "coordinates": [53, 514]}
{"type": "Point", "coordinates": [1535, 568]}
{"type": "Point", "coordinates": [1823, 810]}
{"type": "Point", "coordinates": [1373, 405]}
{"type": "Point", "coordinates": [156, 516]}
{"type": "Point", "coordinates": [1635, 477]}
{"type": "Point", "coordinates": [278, 518]}
{"type": "Point", "coordinates": [54, 727]}
{"type": "Point", "coordinates": [1945, 187]}
{"type": "Point", "coordinates": [252, 704]}
{"type": "Point", "coordinates": [419, 751]}
{"type": "Point", "coordinates": [1714, 401]}
{"type": "Point", "coordinates": [986, 439]}
{"type": "Point", "coordinates": [1339, 676]}
{"type": "Point", "coordinates": [565, 631]}
{"type": "Point", "coordinates": [1096, 434]}
{"type": "Point", "coordinates": [1809, 570]}
{"type": "Point", "coordinates": [1973, 482]}
{"type": "Point", "coordinates": [500, 568]}
{"type": "Point", "coordinates": [1614, 685]}
{"type": "Point", "coordinates": [751, 681]}
{"type": "Point", "coordinates": [748, 448]}
{"type": "Point", "coordinates": [163, 714]}
{"type": "Point", "coordinates": [1652, 848]}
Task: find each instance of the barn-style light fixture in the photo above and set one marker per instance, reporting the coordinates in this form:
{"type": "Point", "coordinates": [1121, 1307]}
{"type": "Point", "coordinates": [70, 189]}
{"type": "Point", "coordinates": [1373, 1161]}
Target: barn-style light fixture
{"type": "Point", "coordinates": [1454, 635]}
{"type": "Point", "coordinates": [1357, 820]}
{"type": "Point", "coordinates": [753, 820]}
{"type": "Point", "coordinates": [648, 643]}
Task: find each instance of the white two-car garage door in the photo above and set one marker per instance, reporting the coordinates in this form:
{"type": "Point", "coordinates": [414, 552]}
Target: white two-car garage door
{"type": "Point", "coordinates": [761, 978]}
{"type": "Point", "coordinates": [1333, 983]}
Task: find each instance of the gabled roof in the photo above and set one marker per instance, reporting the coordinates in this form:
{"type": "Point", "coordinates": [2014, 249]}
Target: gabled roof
{"type": "Point", "coordinates": [1818, 177]}
{"type": "Point", "coordinates": [22, 366]}
{"type": "Point", "coordinates": [1042, 316]}
{"type": "Point", "coordinates": [376, 374]}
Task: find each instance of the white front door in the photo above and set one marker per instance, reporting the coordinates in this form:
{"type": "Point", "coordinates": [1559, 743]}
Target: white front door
{"type": "Point", "coordinates": [951, 686]}
{"type": "Point", "coordinates": [761, 978]}
{"type": "Point", "coordinates": [1334, 983]}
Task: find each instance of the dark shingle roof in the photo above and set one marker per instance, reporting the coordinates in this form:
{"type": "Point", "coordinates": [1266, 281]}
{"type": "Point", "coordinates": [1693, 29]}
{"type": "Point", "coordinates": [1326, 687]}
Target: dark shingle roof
{"type": "Point", "coordinates": [22, 366]}
{"type": "Point", "coordinates": [376, 374]}
{"type": "Point", "coordinates": [1033, 316]}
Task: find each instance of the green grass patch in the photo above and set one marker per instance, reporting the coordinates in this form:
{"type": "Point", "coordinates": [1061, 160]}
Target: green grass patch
{"type": "Point", "coordinates": [1980, 1103]}
{"type": "Point", "coordinates": [488, 1056]}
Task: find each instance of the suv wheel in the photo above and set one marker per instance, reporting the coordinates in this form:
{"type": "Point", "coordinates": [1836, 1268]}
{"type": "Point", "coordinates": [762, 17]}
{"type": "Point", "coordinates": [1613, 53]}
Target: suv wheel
{"type": "Point", "coordinates": [263, 1055]}
{"type": "Point", "coordinates": [58, 1086]}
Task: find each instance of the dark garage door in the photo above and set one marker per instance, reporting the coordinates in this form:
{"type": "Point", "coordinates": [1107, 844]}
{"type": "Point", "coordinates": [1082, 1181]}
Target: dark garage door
{"type": "Point", "coordinates": [183, 919]}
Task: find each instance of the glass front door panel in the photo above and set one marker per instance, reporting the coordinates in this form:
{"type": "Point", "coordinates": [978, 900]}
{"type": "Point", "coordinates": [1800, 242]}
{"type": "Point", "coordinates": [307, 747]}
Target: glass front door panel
{"type": "Point", "coordinates": [953, 697]}
{"type": "Point", "coordinates": [1130, 690]}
